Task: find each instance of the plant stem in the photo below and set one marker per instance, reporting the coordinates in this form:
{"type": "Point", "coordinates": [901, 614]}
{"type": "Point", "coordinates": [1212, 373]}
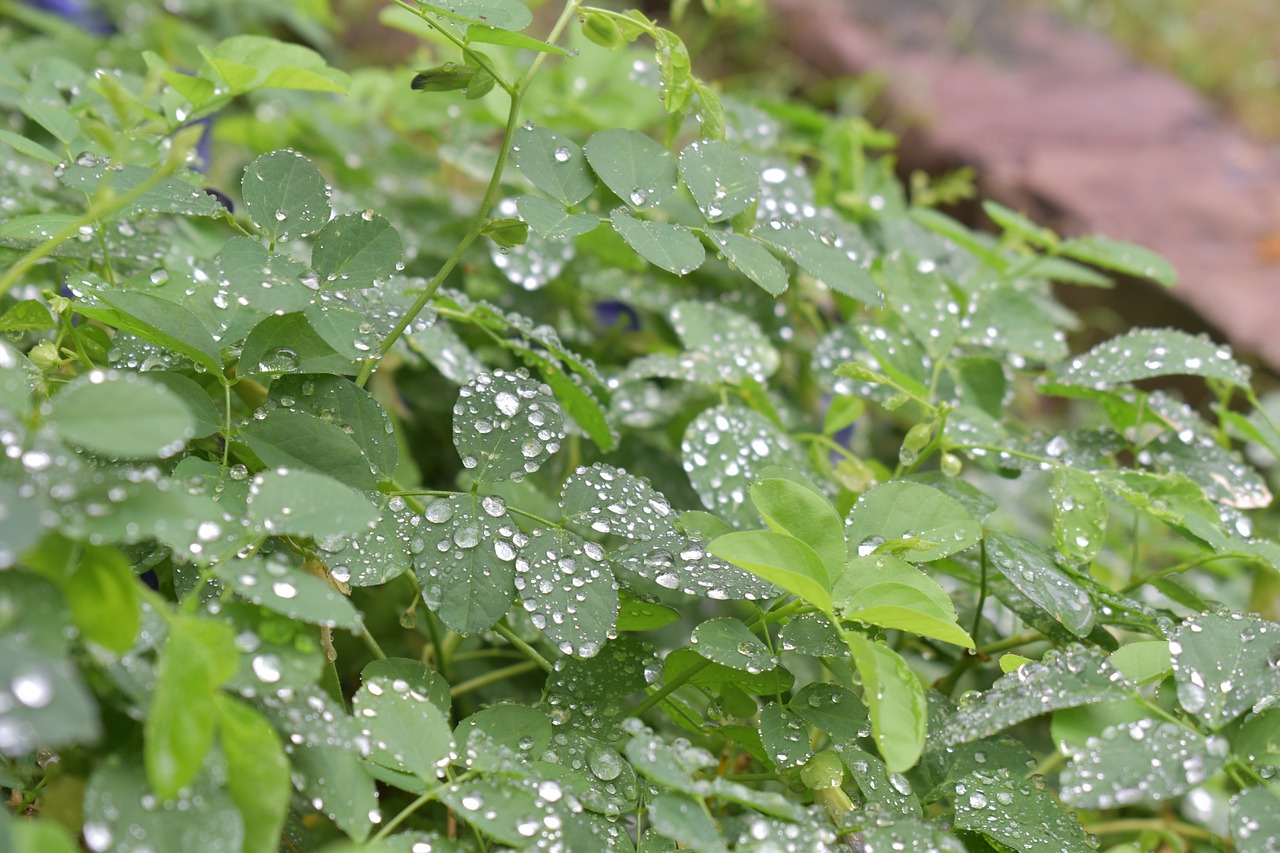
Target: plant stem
{"type": "Point", "coordinates": [408, 810]}
{"type": "Point", "coordinates": [486, 203]}
{"type": "Point", "coordinates": [667, 689]}
{"type": "Point", "coordinates": [529, 651]}
{"type": "Point", "coordinates": [1187, 830]}
{"type": "Point", "coordinates": [493, 675]}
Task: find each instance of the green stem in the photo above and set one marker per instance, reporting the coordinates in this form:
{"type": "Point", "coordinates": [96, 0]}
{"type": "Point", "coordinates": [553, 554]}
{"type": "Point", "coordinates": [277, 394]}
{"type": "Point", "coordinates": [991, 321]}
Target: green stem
{"type": "Point", "coordinates": [667, 689]}
{"type": "Point", "coordinates": [982, 589]}
{"type": "Point", "coordinates": [486, 203]}
{"type": "Point", "coordinates": [363, 633]}
{"type": "Point", "coordinates": [1184, 567]}
{"type": "Point", "coordinates": [529, 651]}
{"type": "Point", "coordinates": [408, 810]}
{"type": "Point", "coordinates": [1187, 830]}
{"type": "Point", "coordinates": [492, 676]}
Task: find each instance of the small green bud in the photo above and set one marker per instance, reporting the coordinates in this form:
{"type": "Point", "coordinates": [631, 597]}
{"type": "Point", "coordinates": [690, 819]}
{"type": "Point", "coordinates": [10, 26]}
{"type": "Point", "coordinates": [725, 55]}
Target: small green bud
{"type": "Point", "coordinates": [442, 78]}
{"type": "Point", "coordinates": [824, 770]}
{"type": "Point", "coordinates": [45, 355]}
{"type": "Point", "coordinates": [507, 232]}
{"type": "Point", "coordinates": [59, 305]}
{"type": "Point", "coordinates": [602, 30]}
{"type": "Point", "coordinates": [951, 464]}
{"type": "Point", "coordinates": [918, 437]}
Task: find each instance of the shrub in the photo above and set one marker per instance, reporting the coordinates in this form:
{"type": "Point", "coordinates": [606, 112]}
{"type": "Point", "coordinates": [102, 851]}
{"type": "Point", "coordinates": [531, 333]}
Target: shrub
{"type": "Point", "coordinates": [778, 515]}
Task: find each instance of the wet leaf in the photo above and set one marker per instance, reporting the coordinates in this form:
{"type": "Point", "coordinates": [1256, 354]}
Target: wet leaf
{"type": "Point", "coordinates": [1148, 353]}
{"type": "Point", "coordinates": [310, 446]}
{"type": "Point", "coordinates": [568, 588]}
{"type": "Point", "coordinates": [781, 560]}
{"type": "Point", "coordinates": [289, 591]}
{"type": "Point", "coordinates": [1065, 678]}
{"type": "Point", "coordinates": [1255, 820]}
{"type": "Point", "coordinates": [1079, 514]}
{"type": "Point", "coordinates": [727, 641]}
{"type": "Point", "coordinates": [1033, 572]}
{"type": "Point", "coordinates": [466, 564]}
{"type": "Point", "coordinates": [1122, 257]}
{"type": "Point", "coordinates": [722, 181]}
{"type": "Point", "coordinates": [889, 798]}
{"type": "Point", "coordinates": [910, 836]}
{"type": "Point", "coordinates": [800, 510]}
{"type": "Point", "coordinates": [1143, 761]}
{"type": "Point", "coordinates": [674, 248]}
{"type": "Point", "coordinates": [914, 521]}
{"type": "Point", "coordinates": [44, 701]}
{"type": "Point", "coordinates": [409, 732]}
{"type": "Point", "coordinates": [346, 405]}
{"type": "Point", "coordinates": [830, 264]}
{"type": "Point", "coordinates": [833, 709]}
{"type": "Point", "coordinates": [724, 448]}
{"type": "Point", "coordinates": [308, 504]}
{"type": "Point", "coordinates": [122, 414]}
{"type": "Point", "coordinates": [356, 250]}
{"type": "Point", "coordinates": [811, 634]}
{"type": "Point", "coordinates": [638, 170]}
{"type": "Point", "coordinates": [1225, 664]}
{"type": "Point", "coordinates": [288, 343]}
{"type": "Point", "coordinates": [335, 782]}
{"type": "Point", "coordinates": [891, 593]}
{"type": "Point", "coordinates": [895, 702]}
{"type": "Point", "coordinates": [684, 820]}
{"type": "Point", "coordinates": [1017, 814]}
{"type": "Point", "coordinates": [552, 163]}
{"type": "Point", "coordinates": [750, 257]}
{"type": "Point", "coordinates": [505, 425]}
{"type": "Point", "coordinates": [550, 220]}
{"type": "Point", "coordinates": [611, 501]}
{"type": "Point", "coordinates": [784, 736]}
{"type": "Point", "coordinates": [257, 773]}
{"type": "Point", "coordinates": [285, 195]}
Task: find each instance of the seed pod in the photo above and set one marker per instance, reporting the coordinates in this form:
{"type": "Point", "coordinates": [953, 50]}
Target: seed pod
{"type": "Point", "coordinates": [443, 78]}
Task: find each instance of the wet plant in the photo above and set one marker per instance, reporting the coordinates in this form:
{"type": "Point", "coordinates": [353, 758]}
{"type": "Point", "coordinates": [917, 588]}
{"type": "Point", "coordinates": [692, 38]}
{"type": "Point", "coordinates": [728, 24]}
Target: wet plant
{"type": "Point", "coordinates": [539, 447]}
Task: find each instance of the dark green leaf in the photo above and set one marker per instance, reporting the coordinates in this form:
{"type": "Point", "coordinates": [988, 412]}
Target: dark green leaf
{"type": "Point", "coordinates": [1017, 814]}
{"type": "Point", "coordinates": [409, 732]}
{"type": "Point", "coordinates": [672, 247]}
{"type": "Point", "coordinates": [564, 582]}
{"type": "Point", "coordinates": [784, 736]}
{"type": "Point", "coordinates": [160, 321]}
{"type": "Point", "coordinates": [286, 196]}
{"type": "Point", "coordinates": [609, 500]}
{"type": "Point", "coordinates": [750, 257]}
{"type": "Point", "coordinates": [466, 565]}
{"type": "Point", "coordinates": [728, 642]}
{"type": "Point", "coordinates": [1147, 353]}
{"type": "Point", "coordinates": [724, 449]}
{"type": "Point", "coordinates": [505, 425]}
{"type": "Point", "coordinates": [308, 504]}
{"type": "Point", "coordinates": [356, 250]}
{"type": "Point", "coordinates": [291, 592]}
{"type": "Point", "coordinates": [638, 170]}
{"type": "Point", "coordinates": [1224, 665]}
{"type": "Point", "coordinates": [297, 440]}
{"type": "Point", "coordinates": [1144, 761]}
{"type": "Point", "coordinates": [288, 343]}
{"type": "Point", "coordinates": [122, 414]}
{"type": "Point", "coordinates": [1033, 572]}
{"type": "Point", "coordinates": [553, 164]}
{"type": "Point", "coordinates": [1255, 820]}
{"type": "Point", "coordinates": [723, 183]}
{"type": "Point", "coordinates": [334, 780]}
{"type": "Point", "coordinates": [553, 221]}
{"type": "Point", "coordinates": [346, 405]}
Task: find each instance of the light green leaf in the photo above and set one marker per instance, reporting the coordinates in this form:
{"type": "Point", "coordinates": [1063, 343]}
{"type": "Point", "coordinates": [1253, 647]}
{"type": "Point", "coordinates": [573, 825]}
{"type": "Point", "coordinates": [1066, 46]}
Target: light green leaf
{"type": "Point", "coordinates": [505, 425]}
{"type": "Point", "coordinates": [1079, 514]}
{"type": "Point", "coordinates": [1144, 761]}
{"type": "Point", "coordinates": [298, 440]}
{"type": "Point", "coordinates": [45, 704]}
{"type": "Point", "coordinates": [1009, 320]}
{"type": "Point", "coordinates": [1147, 353]}
{"type": "Point", "coordinates": [287, 657]}
{"type": "Point", "coordinates": [496, 807]}
{"type": "Point", "coordinates": [53, 115]}
{"type": "Point", "coordinates": [27, 315]}
{"type": "Point", "coordinates": [552, 163]}
{"type": "Point", "coordinates": [672, 247]}
{"type": "Point", "coordinates": [803, 512]}
{"type": "Point", "coordinates": [356, 250]}
{"type": "Point", "coordinates": [507, 38]}
{"type": "Point", "coordinates": [121, 414]}
{"type": "Point", "coordinates": [779, 559]}
{"type": "Point", "coordinates": [123, 815]}
{"type": "Point", "coordinates": [102, 592]}
{"type": "Point", "coordinates": [36, 836]}
{"type": "Point", "coordinates": [466, 566]}
{"type": "Point", "coordinates": [285, 195]}
{"type": "Point", "coordinates": [307, 503]}
{"type": "Point", "coordinates": [723, 183]}
{"type": "Point", "coordinates": [885, 591]}
{"type": "Point", "coordinates": [569, 590]}
{"type": "Point", "coordinates": [1225, 664]}
{"type": "Point", "coordinates": [257, 773]}
{"type": "Point", "coordinates": [912, 836]}
{"type": "Point", "coordinates": [895, 701]}
{"type": "Point", "coordinates": [1017, 814]}
{"type": "Point", "coordinates": [198, 657]}
{"type": "Point", "coordinates": [1015, 223]}
{"type": "Point", "coordinates": [248, 62]}
{"type": "Point", "coordinates": [290, 592]}
{"type": "Point", "coordinates": [638, 170]}
{"type": "Point", "coordinates": [553, 221]}
{"type": "Point", "coordinates": [409, 732]}
{"type": "Point", "coordinates": [750, 257]}
{"type": "Point", "coordinates": [23, 145]}
{"type": "Point", "coordinates": [1034, 573]}
{"type": "Point", "coordinates": [160, 321]}
{"type": "Point", "coordinates": [1122, 257]}
{"type": "Point", "coordinates": [728, 642]}
{"type": "Point", "coordinates": [830, 264]}
{"type": "Point", "coordinates": [1143, 661]}
{"type": "Point", "coordinates": [1255, 819]}
{"type": "Point", "coordinates": [509, 15]}
{"type": "Point", "coordinates": [335, 781]}
{"type": "Point", "coordinates": [917, 522]}
{"type": "Point", "coordinates": [1066, 678]}
{"type": "Point", "coordinates": [683, 820]}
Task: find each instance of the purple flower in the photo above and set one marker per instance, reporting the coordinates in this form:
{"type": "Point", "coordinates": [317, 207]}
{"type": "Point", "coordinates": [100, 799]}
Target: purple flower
{"type": "Point", "coordinates": [83, 13]}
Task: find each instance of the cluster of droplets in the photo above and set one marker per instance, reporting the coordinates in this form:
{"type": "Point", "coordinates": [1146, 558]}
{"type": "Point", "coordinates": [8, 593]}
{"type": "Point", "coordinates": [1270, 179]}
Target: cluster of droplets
{"type": "Point", "coordinates": [569, 591]}
{"type": "Point", "coordinates": [470, 544]}
{"type": "Point", "coordinates": [505, 425]}
{"type": "Point", "coordinates": [723, 450]}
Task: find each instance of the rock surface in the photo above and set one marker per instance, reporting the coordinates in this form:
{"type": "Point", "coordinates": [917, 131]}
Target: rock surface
{"type": "Point", "coordinates": [1061, 124]}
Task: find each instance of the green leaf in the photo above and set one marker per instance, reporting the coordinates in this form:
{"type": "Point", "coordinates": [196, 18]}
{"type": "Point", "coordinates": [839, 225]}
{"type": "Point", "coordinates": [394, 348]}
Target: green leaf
{"type": "Point", "coordinates": [811, 634]}
{"type": "Point", "coordinates": [1079, 514]}
{"type": "Point", "coordinates": [356, 250]}
{"type": "Point", "coordinates": [1018, 814]}
{"type": "Point", "coordinates": [553, 221]}
{"type": "Point", "coordinates": [519, 729]}
{"type": "Point", "coordinates": [505, 425]}
{"type": "Point", "coordinates": [409, 732]}
{"type": "Point", "coordinates": [673, 561]}
{"type": "Point", "coordinates": [122, 814]}
{"type": "Point", "coordinates": [160, 321]}
{"type": "Point", "coordinates": [36, 836]}
{"type": "Point", "coordinates": [248, 62]}
{"type": "Point", "coordinates": [1255, 819]}
{"type": "Point", "coordinates": [833, 709]}
{"type": "Point", "coordinates": [345, 404]}
{"type": "Point", "coordinates": [674, 248]}
{"type": "Point", "coordinates": [1225, 664]}
{"type": "Point", "coordinates": [496, 807]}
{"type": "Point", "coordinates": [800, 510]}
{"type": "Point", "coordinates": [27, 315]}
{"type": "Point", "coordinates": [639, 614]}
{"type": "Point", "coordinates": [723, 451]}
{"type": "Point", "coordinates": [466, 565]}
{"type": "Point", "coordinates": [1066, 678]}
{"type": "Point", "coordinates": [197, 400]}
{"type": "Point", "coordinates": [449, 77]}
{"type": "Point", "coordinates": [888, 797]}
{"type": "Point", "coordinates": [911, 835]}
{"type": "Point", "coordinates": [609, 500]}
{"type": "Point", "coordinates": [257, 773]}
{"type": "Point", "coordinates": [830, 264]}
{"type": "Point", "coordinates": [552, 163]}
{"type": "Point", "coordinates": [1015, 223]}
{"type": "Point", "coordinates": [23, 145]}
{"type": "Point", "coordinates": [1033, 572]}
{"type": "Point", "coordinates": [781, 560]}
{"type": "Point", "coordinates": [721, 179]}
{"type": "Point", "coordinates": [183, 718]}
{"type": "Point", "coordinates": [180, 194]}
{"type": "Point", "coordinates": [750, 257]}
{"type": "Point", "coordinates": [285, 195]}
{"type": "Point", "coordinates": [1143, 661]}
{"type": "Point", "coordinates": [53, 116]}
{"type": "Point", "coordinates": [885, 591]}
{"type": "Point", "coordinates": [683, 819]}
{"type": "Point", "coordinates": [102, 592]}
{"type": "Point", "coordinates": [728, 642]}
{"type": "Point", "coordinates": [306, 503]}
{"type": "Point", "coordinates": [507, 38]}
{"type": "Point", "coordinates": [286, 656]}
{"type": "Point", "coordinates": [121, 414]}
{"type": "Point", "coordinates": [1144, 761]}
{"type": "Point", "coordinates": [290, 592]}
{"type": "Point", "coordinates": [1124, 258]}
{"type": "Point", "coordinates": [288, 343]}
{"type": "Point", "coordinates": [721, 346]}
{"type": "Point", "coordinates": [511, 15]}
{"type": "Point", "coordinates": [1009, 320]}
{"type": "Point", "coordinates": [895, 701]}
{"type": "Point", "coordinates": [623, 667]}
{"type": "Point", "coordinates": [569, 590]}
{"type": "Point", "coordinates": [917, 522]}
{"type": "Point", "coordinates": [44, 703]}
{"type": "Point", "coordinates": [784, 736]}
{"type": "Point", "coordinates": [677, 666]}
{"type": "Point", "coordinates": [334, 780]}
{"type": "Point", "coordinates": [1147, 353]}
{"type": "Point", "coordinates": [298, 440]}
{"type": "Point", "coordinates": [638, 170]}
